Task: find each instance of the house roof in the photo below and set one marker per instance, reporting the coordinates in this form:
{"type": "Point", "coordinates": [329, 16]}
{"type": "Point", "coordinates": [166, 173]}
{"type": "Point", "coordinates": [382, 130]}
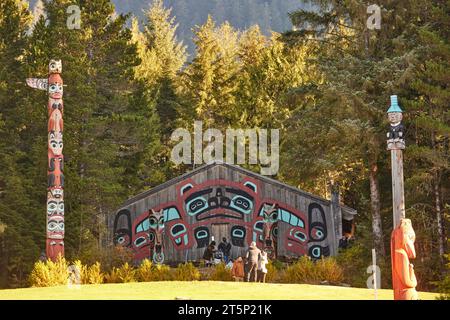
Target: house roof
{"type": "Point", "coordinates": [347, 210]}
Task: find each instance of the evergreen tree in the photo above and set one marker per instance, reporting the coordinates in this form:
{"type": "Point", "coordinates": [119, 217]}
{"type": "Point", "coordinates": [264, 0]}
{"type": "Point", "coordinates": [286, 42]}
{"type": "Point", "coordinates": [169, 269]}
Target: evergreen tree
{"type": "Point", "coordinates": [20, 233]}
{"type": "Point", "coordinates": [346, 118]}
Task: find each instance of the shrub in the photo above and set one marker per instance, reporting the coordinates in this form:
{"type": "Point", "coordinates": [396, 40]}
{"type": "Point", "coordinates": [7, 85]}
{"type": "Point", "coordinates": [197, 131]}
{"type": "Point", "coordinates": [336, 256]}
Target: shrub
{"type": "Point", "coordinates": [49, 273]}
{"type": "Point", "coordinates": [93, 274]}
{"type": "Point", "coordinates": [144, 272]}
{"type": "Point", "coordinates": [302, 271]}
{"type": "Point", "coordinates": [187, 272]}
{"type": "Point", "coordinates": [126, 273]}
{"type": "Point", "coordinates": [114, 257]}
{"type": "Point", "coordinates": [112, 276]}
{"type": "Point", "coordinates": [162, 272]}
{"type": "Point", "coordinates": [273, 274]}
{"type": "Point", "coordinates": [307, 271]}
{"type": "Point", "coordinates": [354, 261]}
{"type": "Point", "coordinates": [329, 270]}
{"type": "Point", "coordinates": [221, 273]}
{"type": "Point", "coordinates": [444, 285]}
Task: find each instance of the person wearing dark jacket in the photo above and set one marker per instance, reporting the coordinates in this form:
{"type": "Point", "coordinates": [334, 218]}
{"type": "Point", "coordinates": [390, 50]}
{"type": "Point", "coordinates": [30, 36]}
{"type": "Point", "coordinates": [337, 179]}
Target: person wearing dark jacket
{"type": "Point", "coordinates": [225, 247]}
{"type": "Point", "coordinates": [253, 255]}
{"type": "Point", "coordinates": [209, 253]}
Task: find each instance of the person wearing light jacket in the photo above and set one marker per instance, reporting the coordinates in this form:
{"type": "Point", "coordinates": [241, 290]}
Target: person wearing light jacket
{"type": "Point", "coordinates": [262, 269]}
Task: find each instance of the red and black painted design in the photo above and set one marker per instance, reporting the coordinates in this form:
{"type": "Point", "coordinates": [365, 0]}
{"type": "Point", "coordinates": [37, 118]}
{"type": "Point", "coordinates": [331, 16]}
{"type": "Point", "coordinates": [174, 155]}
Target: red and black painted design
{"type": "Point", "coordinates": [55, 190]}
{"type": "Point", "coordinates": [186, 222]}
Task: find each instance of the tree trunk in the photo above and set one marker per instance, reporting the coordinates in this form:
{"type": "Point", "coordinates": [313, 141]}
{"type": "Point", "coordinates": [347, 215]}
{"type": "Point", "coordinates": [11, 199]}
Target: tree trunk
{"type": "Point", "coordinates": [440, 225]}
{"type": "Point", "coordinates": [437, 202]}
{"type": "Point", "coordinates": [376, 215]}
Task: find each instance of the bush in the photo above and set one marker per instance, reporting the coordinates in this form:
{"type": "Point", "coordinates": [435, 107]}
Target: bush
{"type": "Point", "coordinates": [93, 274]}
{"type": "Point", "coordinates": [126, 273]}
{"type": "Point", "coordinates": [329, 270]}
{"type": "Point", "coordinates": [307, 271]}
{"type": "Point", "coordinates": [444, 285]}
{"type": "Point", "coordinates": [221, 273]}
{"type": "Point", "coordinates": [112, 276]}
{"type": "Point", "coordinates": [145, 271]}
{"type": "Point", "coordinates": [49, 273]}
{"type": "Point", "coordinates": [162, 272]}
{"type": "Point", "coordinates": [187, 272]}
{"type": "Point", "coordinates": [273, 274]}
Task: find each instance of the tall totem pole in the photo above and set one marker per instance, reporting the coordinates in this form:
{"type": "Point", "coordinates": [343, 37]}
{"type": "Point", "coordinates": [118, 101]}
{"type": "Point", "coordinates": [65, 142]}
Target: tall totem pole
{"type": "Point", "coordinates": [404, 280]}
{"type": "Point", "coordinates": [55, 188]}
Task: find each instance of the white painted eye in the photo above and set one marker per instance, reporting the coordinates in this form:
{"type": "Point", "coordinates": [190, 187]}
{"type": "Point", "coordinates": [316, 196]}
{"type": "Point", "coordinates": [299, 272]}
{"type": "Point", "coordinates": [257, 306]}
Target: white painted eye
{"type": "Point", "coordinates": [52, 225]}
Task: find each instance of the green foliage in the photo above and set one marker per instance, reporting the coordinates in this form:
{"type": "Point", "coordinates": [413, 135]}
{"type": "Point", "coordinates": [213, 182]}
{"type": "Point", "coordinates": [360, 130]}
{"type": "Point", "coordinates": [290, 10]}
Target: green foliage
{"type": "Point", "coordinates": [49, 273]}
{"type": "Point", "coordinates": [221, 273]}
{"type": "Point", "coordinates": [307, 271]}
{"type": "Point", "coordinates": [144, 272]}
{"type": "Point", "coordinates": [112, 276]}
{"type": "Point", "coordinates": [274, 271]}
{"type": "Point", "coordinates": [186, 272]}
{"type": "Point", "coordinates": [354, 262]}
{"type": "Point", "coordinates": [94, 274]}
{"type": "Point", "coordinates": [147, 271]}
{"type": "Point", "coordinates": [162, 272]}
{"type": "Point", "coordinates": [128, 88]}
{"type": "Point", "coordinates": [126, 273]}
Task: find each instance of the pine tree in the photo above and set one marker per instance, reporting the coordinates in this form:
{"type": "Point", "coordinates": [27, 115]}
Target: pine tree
{"type": "Point", "coordinates": [431, 124]}
{"type": "Point", "coordinates": [20, 235]}
{"type": "Point", "coordinates": [345, 119]}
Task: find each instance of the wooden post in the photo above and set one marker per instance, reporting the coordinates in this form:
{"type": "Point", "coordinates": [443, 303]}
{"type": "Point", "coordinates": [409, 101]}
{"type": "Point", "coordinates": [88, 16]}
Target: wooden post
{"type": "Point", "coordinates": [375, 275]}
{"type": "Point", "coordinates": [336, 215]}
{"type": "Point", "coordinates": [396, 144]}
{"type": "Point", "coordinates": [398, 197]}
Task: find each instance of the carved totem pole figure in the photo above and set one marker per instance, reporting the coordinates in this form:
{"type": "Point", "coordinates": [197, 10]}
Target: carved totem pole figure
{"type": "Point", "coordinates": [395, 135]}
{"type": "Point", "coordinates": [402, 240]}
{"type": "Point", "coordinates": [404, 280]}
{"type": "Point", "coordinates": [55, 189]}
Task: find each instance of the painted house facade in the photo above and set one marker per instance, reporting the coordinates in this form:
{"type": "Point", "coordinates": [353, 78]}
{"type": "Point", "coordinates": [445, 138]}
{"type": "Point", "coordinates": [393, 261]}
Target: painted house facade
{"type": "Point", "coordinates": [176, 221]}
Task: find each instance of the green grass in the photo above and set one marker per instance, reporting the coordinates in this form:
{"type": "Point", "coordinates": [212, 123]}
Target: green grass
{"type": "Point", "coordinates": [206, 290]}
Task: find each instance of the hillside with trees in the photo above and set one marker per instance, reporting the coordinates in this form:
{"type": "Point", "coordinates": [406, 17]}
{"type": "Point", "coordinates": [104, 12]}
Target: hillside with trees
{"type": "Point", "coordinates": [268, 14]}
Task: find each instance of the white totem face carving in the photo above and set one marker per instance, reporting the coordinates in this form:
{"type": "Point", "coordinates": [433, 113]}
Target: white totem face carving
{"type": "Point", "coordinates": [55, 143]}
{"type": "Point", "coordinates": [395, 117]}
{"type": "Point", "coordinates": [55, 90]}
{"type": "Point", "coordinates": [55, 206]}
{"type": "Point", "coordinates": [55, 227]}
{"type": "Point", "coordinates": [55, 66]}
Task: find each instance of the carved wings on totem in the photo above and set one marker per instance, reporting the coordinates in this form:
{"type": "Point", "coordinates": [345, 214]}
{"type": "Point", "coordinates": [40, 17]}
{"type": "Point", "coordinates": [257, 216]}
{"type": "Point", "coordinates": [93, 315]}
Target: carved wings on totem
{"type": "Point", "coordinates": [35, 83]}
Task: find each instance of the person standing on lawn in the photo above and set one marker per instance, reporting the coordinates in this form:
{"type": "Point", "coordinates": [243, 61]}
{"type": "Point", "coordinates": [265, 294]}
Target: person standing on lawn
{"type": "Point", "coordinates": [253, 254]}
{"type": "Point", "coordinates": [225, 247]}
{"type": "Point", "coordinates": [262, 269]}
{"type": "Point", "coordinates": [238, 270]}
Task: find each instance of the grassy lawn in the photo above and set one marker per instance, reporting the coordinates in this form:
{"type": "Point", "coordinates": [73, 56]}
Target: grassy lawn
{"type": "Point", "coordinates": [206, 290]}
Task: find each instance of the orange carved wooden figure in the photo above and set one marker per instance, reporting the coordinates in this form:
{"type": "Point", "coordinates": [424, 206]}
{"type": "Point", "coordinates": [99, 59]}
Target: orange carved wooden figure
{"type": "Point", "coordinates": [404, 280]}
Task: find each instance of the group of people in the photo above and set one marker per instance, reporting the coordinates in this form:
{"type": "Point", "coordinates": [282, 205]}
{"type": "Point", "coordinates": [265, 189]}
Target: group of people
{"type": "Point", "coordinates": [251, 268]}
{"type": "Point", "coordinates": [213, 256]}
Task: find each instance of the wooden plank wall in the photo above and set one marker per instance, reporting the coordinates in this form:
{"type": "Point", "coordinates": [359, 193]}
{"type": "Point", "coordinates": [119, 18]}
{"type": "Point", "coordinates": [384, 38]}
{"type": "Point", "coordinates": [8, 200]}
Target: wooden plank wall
{"type": "Point", "coordinates": [268, 190]}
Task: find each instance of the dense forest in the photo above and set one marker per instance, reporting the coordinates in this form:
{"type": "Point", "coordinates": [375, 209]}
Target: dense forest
{"type": "Point", "coordinates": [130, 84]}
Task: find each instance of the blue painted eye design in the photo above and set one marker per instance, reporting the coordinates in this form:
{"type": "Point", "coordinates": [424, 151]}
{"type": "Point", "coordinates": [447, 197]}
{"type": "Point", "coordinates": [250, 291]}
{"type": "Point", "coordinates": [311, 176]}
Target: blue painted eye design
{"type": "Point", "coordinates": [241, 204]}
{"type": "Point", "coordinates": [196, 206]}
